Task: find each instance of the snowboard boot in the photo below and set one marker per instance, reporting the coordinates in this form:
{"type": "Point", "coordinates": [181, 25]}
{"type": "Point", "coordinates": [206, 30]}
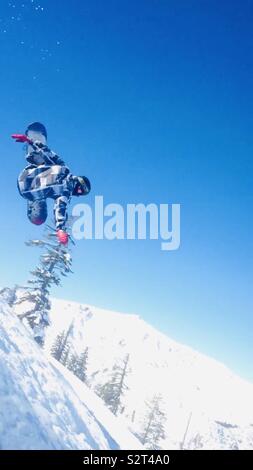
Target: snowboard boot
{"type": "Point", "coordinates": [37, 211]}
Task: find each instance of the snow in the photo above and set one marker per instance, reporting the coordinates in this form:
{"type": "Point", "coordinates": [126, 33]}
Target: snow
{"type": "Point", "coordinates": [190, 383]}
{"type": "Point", "coordinates": [42, 406]}
{"type": "Point", "coordinates": [96, 406]}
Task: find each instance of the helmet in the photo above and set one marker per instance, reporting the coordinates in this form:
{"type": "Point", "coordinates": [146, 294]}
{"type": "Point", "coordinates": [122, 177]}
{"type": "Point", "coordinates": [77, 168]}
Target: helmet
{"type": "Point", "coordinates": [81, 186]}
{"type": "Point", "coordinates": [37, 127]}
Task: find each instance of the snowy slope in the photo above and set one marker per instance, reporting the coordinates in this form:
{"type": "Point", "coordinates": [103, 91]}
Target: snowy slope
{"type": "Point", "coordinates": [41, 408]}
{"type": "Point", "coordinates": [197, 389]}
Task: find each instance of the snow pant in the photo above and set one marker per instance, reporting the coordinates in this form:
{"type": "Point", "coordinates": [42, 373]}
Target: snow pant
{"type": "Point", "coordinates": [37, 211]}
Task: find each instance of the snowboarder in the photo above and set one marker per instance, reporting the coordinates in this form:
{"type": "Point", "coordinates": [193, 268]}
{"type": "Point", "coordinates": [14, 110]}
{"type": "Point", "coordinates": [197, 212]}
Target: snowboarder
{"type": "Point", "coordinates": [47, 176]}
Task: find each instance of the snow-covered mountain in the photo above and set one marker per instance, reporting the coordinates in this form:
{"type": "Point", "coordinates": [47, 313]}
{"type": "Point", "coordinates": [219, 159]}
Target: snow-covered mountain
{"type": "Point", "coordinates": [206, 405]}
{"type": "Point", "coordinates": [43, 406]}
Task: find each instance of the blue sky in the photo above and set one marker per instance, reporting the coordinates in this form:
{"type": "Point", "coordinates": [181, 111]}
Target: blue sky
{"type": "Point", "coordinates": [153, 101]}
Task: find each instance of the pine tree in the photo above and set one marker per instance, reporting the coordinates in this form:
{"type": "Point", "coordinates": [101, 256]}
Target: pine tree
{"type": "Point", "coordinates": [78, 365]}
{"type": "Point", "coordinates": [54, 263]}
{"type": "Point", "coordinates": [154, 424]}
{"type": "Point", "coordinates": [82, 366]}
{"type": "Point", "coordinates": [61, 347]}
{"type": "Point", "coordinates": [72, 363]}
{"type": "Point", "coordinates": [113, 391]}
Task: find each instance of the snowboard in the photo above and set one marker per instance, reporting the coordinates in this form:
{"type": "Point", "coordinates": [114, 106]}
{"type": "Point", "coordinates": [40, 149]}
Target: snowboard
{"type": "Point", "coordinates": [36, 131]}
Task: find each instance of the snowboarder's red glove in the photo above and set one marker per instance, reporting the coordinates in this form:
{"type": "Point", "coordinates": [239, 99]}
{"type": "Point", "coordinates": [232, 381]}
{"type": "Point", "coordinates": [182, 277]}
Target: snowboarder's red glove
{"type": "Point", "coordinates": [21, 138]}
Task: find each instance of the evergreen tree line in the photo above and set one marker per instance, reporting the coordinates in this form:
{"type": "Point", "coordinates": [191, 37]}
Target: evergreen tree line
{"type": "Point", "coordinates": [61, 350]}
{"type": "Point", "coordinates": [113, 390]}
